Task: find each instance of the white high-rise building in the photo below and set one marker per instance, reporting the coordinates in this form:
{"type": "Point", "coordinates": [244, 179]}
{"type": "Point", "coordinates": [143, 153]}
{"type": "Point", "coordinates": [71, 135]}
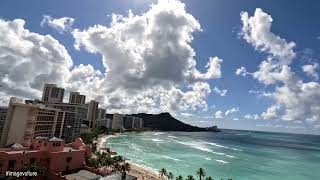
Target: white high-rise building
{"type": "Point", "coordinates": [117, 121]}
{"type": "Point", "coordinates": [52, 93]}
{"type": "Point", "coordinates": [25, 121]}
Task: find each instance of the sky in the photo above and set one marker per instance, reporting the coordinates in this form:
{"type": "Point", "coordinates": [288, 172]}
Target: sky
{"type": "Point", "coordinates": [238, 64]}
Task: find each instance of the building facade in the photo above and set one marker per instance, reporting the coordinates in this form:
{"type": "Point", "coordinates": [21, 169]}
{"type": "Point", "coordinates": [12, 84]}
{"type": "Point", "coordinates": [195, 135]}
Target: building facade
{"type": "Point", "coordinates": [50, 153]}
{"type": "Point", "coordinates": [128, 122]}
{"type": "Point", "coordinates": [3, 113]}
{"type": "Point", "coordinates": [25, 121]}
{"type": "Point", "coordinates": [117, 121]}
{"type": "Point", "coordinates": [102, 118]}
{"type": "Point", "coordinates": [77, 98]}
{"type": "Point", "coordinates": [52, 93]}
{"type": "Point", "coordinates": [92, 114]}
{"type": "Point", "coordinates": [132, 122]}
{"type": "Point", "coordinates": [72, 116]}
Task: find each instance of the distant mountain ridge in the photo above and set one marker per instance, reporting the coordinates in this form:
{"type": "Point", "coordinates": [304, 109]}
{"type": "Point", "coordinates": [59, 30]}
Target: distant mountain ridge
{"type": "Point", "coordinates": [165, 122]}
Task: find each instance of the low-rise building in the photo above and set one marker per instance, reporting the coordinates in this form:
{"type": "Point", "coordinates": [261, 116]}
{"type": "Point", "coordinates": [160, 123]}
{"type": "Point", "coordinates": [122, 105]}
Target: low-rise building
{"type": "Point", "coordinates": [50, 153]}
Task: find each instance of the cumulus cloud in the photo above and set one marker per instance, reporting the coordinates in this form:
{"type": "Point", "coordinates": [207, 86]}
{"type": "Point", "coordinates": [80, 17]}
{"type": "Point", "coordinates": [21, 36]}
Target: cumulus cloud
{"type": "Point", "coordinates": [149, 63]}
{"type": "Point", "coordinates": [151, 52]}
{"type": "Point", "coordinates": [311, 70]}
{"type": "Point", "coordinates": [256, 30]}
{"type": "Point", "coordinates": [293, 99]}
{"type": "Point", "coordinates": [218, 114]}
{"type": "Point", "coordinates": [232, 110]}
{"type": "Point", "coordinates": [242, 71]}
{"type": "Point", "coordinates": [220, 92]}
{"type": "Point", "coordinates": [61, 25]}
{"type": "Point", "coordinates": [28, 59]}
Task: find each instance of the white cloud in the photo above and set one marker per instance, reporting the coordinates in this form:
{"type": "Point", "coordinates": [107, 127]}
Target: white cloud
{"type": "Point", "coordinates": [218, 115]}
{"type": "Point", "coordinates": [254, 116]}
{"type": "Point", "coordinates": [149, 63]}
{"type": "Point", "coordinates": [311, 70]}
{"type": "Point", "coordinates": [28, 59]}
{"type": "Point", "coordinates": [293, 99]}
{"type": "Point", "coordinates": [220, 92]}
{"type": "Point", "coordinates": [186, 114]}
{"type": "Point", "coordinates": [242, 71]}
{"type": "Point", "coordinates": [151, 53]}
{"type": "Point", "coordinates": [232, 110]}
{"type": "Point", "coordinates": [61, 25]}
{"type": "Point", "coordinates": [256, 30]}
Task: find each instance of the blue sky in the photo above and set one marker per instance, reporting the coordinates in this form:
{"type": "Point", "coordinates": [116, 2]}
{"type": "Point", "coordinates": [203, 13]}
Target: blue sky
{"type": "Point", "coordinates": [293, 21]}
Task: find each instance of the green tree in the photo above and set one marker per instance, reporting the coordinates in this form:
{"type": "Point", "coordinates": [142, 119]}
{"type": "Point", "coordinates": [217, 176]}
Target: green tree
{"type": "Point", "coordinates": [179, 177]}
{"type": "Point", "coordinates": [170, 175]}
{"type": "Point", "coordinates": [209, 178]}
{"type": "Point", "coordinates": [124, 168]}
{"type": "Point", "coordinates": [190, 177]}
{"type": "Point", "coordinates": [163, 172]}
{"type": "Point", "coordinates": [201, 173]}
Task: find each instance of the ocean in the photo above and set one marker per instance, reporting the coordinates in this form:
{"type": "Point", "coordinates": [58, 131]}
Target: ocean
{"type": "Point", "coordinates": [240, 155]}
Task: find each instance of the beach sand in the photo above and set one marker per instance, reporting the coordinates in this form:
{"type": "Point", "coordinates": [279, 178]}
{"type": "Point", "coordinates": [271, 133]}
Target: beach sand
{"type": "Point", "coordinates": [135, 170]}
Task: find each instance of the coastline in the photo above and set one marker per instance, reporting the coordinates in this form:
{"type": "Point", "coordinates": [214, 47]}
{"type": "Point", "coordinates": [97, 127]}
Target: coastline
{"type": "Point", "coordinates": [137, 170]}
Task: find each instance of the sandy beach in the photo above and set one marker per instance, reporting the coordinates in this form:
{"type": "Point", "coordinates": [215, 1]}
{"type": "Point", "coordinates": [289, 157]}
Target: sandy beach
{"type": "Point", "coordinates": [135, 170]}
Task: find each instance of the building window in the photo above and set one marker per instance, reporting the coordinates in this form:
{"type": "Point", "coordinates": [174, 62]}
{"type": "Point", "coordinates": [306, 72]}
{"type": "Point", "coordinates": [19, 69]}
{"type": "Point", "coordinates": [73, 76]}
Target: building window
{"type": "Point", "coordinates": [69, 159]}
{"type": "Point", "coordinates": [11, 164]}
{"type": "Point", "coordinates": [45, 144]}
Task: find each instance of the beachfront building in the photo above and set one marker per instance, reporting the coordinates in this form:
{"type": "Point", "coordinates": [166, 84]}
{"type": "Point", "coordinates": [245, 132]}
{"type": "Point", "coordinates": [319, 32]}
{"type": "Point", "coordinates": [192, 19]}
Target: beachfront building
{"type": "Point", "coordinates": [52, 93]}
{"type": "Point", "coordinates": [102, 118]}
{"type": "Point", "coordinates": [117, 121]}
{"type": "Point", "coordinates": [92, 115]}
{"type": "Point", "coordinates": [71, 118]}
{"type": "Point", "coordinates": [132, 122]}
{"type": "Point", "coordinates": [49, 153]}
{"type": "Point", "coordinates": [109, 123]}
{"type": "Point", "coordinates": [137, 123]}
{"type": "Point", "coordinates": [3, 113]}
{"type": "Point", "coordinates": [27, 120]}
{"type": "Point", "coordinates": [77, 98]}
{"type": "Point", "coordinates": [128, 122]}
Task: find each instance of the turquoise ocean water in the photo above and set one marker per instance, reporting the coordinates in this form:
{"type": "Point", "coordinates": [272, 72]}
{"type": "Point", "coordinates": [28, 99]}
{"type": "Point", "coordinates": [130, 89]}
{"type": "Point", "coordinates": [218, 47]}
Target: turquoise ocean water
{"type": "Point", "coordinates": [241, 155]}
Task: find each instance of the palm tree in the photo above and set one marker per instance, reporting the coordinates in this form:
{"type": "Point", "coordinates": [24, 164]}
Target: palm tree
{"type": "Point", "coordinates": [190, 177]}
{"type": "Point", "coordinates": [163, 172]}
{"type": "Point", "coordinates": [209, 178]}
{"type": "Point", "coordinates": [124, 168]}
{"type": "Point", "coordinates": [201, 173]}
{"type": "Point", "coordinates": [179, 177]}
{"type": "Point", "coordinates": [170, 175]}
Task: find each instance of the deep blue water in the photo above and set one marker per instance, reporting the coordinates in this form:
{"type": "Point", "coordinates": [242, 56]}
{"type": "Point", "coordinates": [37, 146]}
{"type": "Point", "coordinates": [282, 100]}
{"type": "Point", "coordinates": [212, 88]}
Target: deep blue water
{"type": "Point", "coordinates": [241, 155]}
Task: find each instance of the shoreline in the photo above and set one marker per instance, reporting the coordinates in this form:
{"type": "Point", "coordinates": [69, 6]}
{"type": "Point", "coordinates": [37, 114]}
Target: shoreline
{"type": "Point", "coordinates": [138, 170]}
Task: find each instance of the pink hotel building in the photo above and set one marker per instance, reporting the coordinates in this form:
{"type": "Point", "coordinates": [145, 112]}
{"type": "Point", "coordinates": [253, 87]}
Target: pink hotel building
{"type": "Point", "coordinates": [52, 154]}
